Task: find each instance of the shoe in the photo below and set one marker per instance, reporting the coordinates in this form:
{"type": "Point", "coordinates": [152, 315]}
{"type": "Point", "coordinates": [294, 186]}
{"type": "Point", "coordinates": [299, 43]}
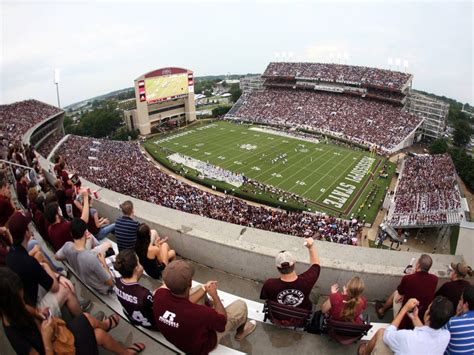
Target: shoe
{"type": "Point", "coordinates": [86, 305]}
{"type": "Point", "coordinates": [378, 308]}
{"type": "Point", "coordinates": [249, 327]}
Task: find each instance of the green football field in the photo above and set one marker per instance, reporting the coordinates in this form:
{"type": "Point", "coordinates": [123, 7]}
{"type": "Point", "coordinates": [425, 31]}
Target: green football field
{"type": "Point", "coordinates": [333, 178]}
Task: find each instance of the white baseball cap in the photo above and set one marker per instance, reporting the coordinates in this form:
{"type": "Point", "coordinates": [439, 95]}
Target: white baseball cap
{"type": "Point", "coordinates": [284, 257]}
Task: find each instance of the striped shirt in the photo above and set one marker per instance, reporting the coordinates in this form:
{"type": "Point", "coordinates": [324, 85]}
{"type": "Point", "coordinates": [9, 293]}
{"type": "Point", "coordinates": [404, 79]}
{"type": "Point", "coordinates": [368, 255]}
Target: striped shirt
{"type": "Point", "coordinates": [462, 334]}
{"type": "Point", "coordinates": [126, 232]}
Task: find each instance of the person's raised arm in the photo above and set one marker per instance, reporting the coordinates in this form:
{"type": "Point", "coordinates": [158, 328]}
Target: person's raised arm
{"type": "Point", "coordinates": [313, 255]}
{"type": "Point", "coordinates": [408, 307]}
{"type": "Point", "coordinates": [85, 207]}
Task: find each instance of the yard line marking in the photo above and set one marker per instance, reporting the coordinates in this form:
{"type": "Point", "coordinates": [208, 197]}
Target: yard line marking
{"type": "Point", "coordinates": [337, 165]}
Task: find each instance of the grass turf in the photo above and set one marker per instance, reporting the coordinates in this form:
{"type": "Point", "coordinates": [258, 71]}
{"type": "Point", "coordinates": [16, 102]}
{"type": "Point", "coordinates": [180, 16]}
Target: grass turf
{"type": "Point", "coordinates": [314, 171]}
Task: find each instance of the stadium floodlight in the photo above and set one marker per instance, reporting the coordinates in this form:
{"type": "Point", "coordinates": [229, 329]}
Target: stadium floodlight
{"type": "Point", "coordinates": [346, 58]}
{"type": "Point", "coordinates": [390, 62]}
{"type": "Point", "coordinates": [339, 57]}
{"type": "Point", "coordinates": [405, 64]}
{"type": "Point", "coordinates": [277, 56]}
{"type": "Point", "coordinates": [398, 63]}
{"type": "Point", "coordinates": [290, 56]}
{"type": "Point", "coordinates": [56, 82]}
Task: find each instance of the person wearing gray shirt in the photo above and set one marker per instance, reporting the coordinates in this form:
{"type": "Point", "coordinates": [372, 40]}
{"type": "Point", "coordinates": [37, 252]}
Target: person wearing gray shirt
{"type": "Point", "coordinates": [89, 264]}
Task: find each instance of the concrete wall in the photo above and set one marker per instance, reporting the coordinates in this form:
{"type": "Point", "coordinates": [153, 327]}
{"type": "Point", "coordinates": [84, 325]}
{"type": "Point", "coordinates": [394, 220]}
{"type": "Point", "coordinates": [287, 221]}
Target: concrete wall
{"type": "Point", "coordinates": [249, 252]}
{"type": "Point", "coordinates": [465, 245]}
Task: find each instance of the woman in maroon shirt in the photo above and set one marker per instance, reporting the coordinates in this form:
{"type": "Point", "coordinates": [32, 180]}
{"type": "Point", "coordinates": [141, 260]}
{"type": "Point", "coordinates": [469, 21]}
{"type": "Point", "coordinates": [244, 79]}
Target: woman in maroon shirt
{"type": "Point", "coordinates": [348, 305]}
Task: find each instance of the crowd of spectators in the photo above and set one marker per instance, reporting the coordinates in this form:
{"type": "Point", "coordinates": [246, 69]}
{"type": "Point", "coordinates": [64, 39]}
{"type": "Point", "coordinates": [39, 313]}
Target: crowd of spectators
{"type": "Point", "coordinates": [121, 166]}
{"type": "Point", "coordinates": [48, 145]}
{"type": "Point", "coordinates": [18, 117]}
{"type": "Point", "coordinates": [362, 121]}
{"type": "Point", "coordinates": [427, 192]}
{"type": "Point", "coordinates": [348, 74]}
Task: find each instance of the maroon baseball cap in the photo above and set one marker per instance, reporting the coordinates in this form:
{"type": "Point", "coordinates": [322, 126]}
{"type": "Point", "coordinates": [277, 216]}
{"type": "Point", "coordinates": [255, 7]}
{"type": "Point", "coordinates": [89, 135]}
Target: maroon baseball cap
{"type": "Point", "coordinates": [18, 224]}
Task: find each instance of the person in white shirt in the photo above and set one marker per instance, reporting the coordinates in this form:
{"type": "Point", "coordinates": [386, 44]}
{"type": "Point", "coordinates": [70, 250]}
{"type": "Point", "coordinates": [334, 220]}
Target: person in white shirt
{"type": "Point", "coordinates": [427, 338]}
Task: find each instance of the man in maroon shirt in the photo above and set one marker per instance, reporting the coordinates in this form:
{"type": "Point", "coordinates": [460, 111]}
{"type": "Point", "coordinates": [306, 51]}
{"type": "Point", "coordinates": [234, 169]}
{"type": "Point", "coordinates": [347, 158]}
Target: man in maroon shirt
{"type": "Point", "coordinates": [59, 230]}
{"type": "Point", "coordinates": [193, 328]}
{"type": "Point", "coordinates": [291, 289]}
{"type": "Point", "coordinates": [420, 285]}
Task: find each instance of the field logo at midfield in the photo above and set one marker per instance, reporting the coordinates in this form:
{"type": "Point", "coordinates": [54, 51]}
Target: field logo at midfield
{"type": "Point", "coordinates": [248, 147]}
{"type": "Point", "coordinates": [339, 196]}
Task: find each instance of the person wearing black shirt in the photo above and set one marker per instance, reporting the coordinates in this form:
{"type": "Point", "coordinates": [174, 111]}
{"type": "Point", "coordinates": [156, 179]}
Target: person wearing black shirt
{"type": "Point", "coordinates": [60, 291]}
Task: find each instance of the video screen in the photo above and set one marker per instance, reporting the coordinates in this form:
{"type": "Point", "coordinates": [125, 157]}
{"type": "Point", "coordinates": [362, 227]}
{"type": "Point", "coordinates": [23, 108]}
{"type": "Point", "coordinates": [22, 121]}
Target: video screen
{"type": "Point", "coordinates": [167, 87]}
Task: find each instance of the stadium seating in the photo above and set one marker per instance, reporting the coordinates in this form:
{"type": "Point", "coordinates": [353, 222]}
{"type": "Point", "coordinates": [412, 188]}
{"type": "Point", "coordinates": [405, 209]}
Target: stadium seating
{"type": "Point", "coordinates": [18, 117]}
{"type": "Point", "coordinates": [326, 72]}
{"type": "Point", "coordinates": [362, 121]}
{"type": "Point", "coordinates": [427, 193]}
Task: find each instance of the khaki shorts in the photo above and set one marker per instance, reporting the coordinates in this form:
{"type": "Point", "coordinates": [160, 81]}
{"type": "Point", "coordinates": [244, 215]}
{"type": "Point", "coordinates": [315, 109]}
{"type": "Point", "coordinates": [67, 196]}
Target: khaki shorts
{"type": "Point", "coordinates": [52, 300]}
{"type": "Point", "coordinates": [381, 348]}
{"type": "Point", "coordinates": [236, 316]}
{"type": "Point", "coordinates": [396, 306]}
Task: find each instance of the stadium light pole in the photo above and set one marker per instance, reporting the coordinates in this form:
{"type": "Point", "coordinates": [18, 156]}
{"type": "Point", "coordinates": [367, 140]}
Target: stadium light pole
{"type": "Point", "coordinates": [56, 82]}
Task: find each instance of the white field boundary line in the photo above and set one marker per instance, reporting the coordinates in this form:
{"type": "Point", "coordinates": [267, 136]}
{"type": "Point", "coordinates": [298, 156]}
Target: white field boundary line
{"type": "Point", "coordinates": [223, 151]}
{"type": "Point", "coordinates": [318, 172]}
{"type": "Point", "coordinates": [337, 165]}
{"type": "Point", "coordinates": [284, 134]}
{"type": "Point", "coordinates": [344, 173]}
{"type": "Point", "coordinates": [299, 171]}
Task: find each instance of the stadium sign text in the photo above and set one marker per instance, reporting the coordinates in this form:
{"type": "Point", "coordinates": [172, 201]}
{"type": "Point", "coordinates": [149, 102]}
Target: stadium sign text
{"type": "Point", "coordinates": [339, 196]}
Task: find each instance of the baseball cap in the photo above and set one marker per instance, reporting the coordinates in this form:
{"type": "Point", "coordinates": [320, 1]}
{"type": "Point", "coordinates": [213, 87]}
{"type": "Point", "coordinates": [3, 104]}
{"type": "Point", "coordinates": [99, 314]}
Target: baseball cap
{"type": "Point", "coordinates": [460, 268]}
{"type": "Point", "coordinates": [284, 257]}
{"type": "Point", "coordinates": [178, 276]}
{"type": "Point", "coordinates": [18, 224]}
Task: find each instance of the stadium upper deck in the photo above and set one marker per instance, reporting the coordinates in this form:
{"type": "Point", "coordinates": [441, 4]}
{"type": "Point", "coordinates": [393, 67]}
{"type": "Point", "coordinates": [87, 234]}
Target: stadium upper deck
{"type": "Point", "coordinates": [18, 117]}
{"type": "Point", "coordinates": [338, 73]}
{"type": "Point", "coordinates": [359, 104]}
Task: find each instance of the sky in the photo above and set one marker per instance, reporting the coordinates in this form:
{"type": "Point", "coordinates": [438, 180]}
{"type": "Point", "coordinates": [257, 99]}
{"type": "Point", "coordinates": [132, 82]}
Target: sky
{"type": "Point", "coordinates": [102, 46]}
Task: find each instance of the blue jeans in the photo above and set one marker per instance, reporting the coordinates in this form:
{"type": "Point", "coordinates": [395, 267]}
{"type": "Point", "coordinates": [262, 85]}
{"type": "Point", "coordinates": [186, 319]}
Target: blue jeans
{"type": "Point", "coordinates": [104, 230]}
{"type": "Point", "coordinates": [32, 243]}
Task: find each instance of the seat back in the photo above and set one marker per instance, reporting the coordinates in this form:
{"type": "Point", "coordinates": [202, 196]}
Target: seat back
{"type": "Point", "coordinates": [347, 332]}
{"type": "Point", "coordinates": [286, 316]}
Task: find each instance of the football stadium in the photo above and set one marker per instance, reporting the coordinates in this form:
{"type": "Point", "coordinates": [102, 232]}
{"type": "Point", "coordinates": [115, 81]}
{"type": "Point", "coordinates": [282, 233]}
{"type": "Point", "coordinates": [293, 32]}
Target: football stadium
{"type": "Point", "coordinates": [309, 176]}
{"type": "Point", "coordinates": [303, 172]}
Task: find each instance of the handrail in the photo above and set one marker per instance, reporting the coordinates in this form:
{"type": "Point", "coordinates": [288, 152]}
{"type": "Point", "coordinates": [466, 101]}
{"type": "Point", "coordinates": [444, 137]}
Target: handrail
{"type": "Point", "coordinates": [11, 163]}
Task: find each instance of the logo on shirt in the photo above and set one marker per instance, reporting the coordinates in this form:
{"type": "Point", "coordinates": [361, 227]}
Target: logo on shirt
{"type": "Point", "coordinates": [290, 297]}
{"type": "Point", "coordinates": [168, 318]}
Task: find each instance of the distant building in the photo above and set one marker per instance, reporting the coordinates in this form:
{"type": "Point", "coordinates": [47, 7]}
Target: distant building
{"type": "Point", "coordinates": [250, 83]}
{"type": "Point", "coordinates": [434, 111]}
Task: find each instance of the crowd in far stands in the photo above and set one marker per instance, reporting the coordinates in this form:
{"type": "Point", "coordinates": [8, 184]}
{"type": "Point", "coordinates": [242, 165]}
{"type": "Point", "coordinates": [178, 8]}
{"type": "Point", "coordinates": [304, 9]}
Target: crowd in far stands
{"type": "Point", "coordinates": [18, 117]}
{"type": "Point", "coordinates": [381, 78]}
{"type": "Point", "coordinates": [48, 145]}
{"type": "Point", "coordinates": [427, 191]}
{"type": "Point", "coordinates": [356, 119]}
{"type": "Point", "coordinates": [121, 166]}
